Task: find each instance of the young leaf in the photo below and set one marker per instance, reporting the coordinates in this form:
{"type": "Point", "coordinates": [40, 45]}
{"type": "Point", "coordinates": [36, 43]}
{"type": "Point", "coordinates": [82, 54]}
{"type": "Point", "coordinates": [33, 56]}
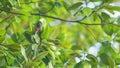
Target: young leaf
{"type": "Point", "coordinates": [74, 6]}
{"type": "Point", "coordinates": [55, 33]}
{"type": "Point", "coordinates": [40, 56]}
{"type": "Point", "coordinates": [10, 59]}
{"type": "Point", "coordinates": [115, 8]}
{"type": "Point", "coordinates": [2, 35]}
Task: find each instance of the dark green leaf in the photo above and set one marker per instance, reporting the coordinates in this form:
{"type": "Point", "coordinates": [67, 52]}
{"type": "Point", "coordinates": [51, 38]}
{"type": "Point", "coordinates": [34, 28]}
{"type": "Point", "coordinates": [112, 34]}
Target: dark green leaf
{"type": "Point", "coordinates": [74, 6]}
{"type": "Point", "coordinates": [92, 58]}
{"type": "Point", "coordinates": [16, 37]}
{"type": "Point", "coordinates": [105, 18]}
{"type": "Point", "coordinates": [58, 4]}
{"type": "Point", "coordinates": [107, 60]}
{"type": "Point", "coordinates": [76, 47]}
{"type": "Point", "coordinates": [79, 65]}
{"type": "Point", "coordinates": [27, 35]}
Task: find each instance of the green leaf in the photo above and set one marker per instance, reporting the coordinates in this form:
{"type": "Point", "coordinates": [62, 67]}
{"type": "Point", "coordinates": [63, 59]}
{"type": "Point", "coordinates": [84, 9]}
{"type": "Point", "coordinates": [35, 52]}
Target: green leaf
{"type": "Point", "coordinates": [55, 33]}
{"type": "Point", "coordinates": [104, 58]}
{"type": "Point", "coordinates": [95, 0]}
{"type": "Point", "coordinates": [65, 5]}
{"type": "Point", "coordinates": [83, 64]}
{"type": "Point", "coordinates": [12, 67]}
{"type": "Point", "coordinates": [50, 65]}
{"type": "Point", "coordinates": [31, 26]}
{"type": "Point", "coordinates": [115, 8]}
{"type": "Point", "coordinates": [40, 56]}
{"type": "Point", "coordinates": [58, 4]}
{"type": "Point", "coordinates": [110, 29]}
{"type": "Point", "coordinates": [36, 38]}
{"type": "Point", "coordinates": [107, 60]}
{"type": "Point", "coordinates": [10, 59]}
{"type": "Point", "coordinates": [76, 47]}
{"type": "Point", "coordinates": [117, 61]}
{"type": "Point", "coordinates": [106, 43]}
{"type": "Point", "coordinates": [87, 11]}
{"type": "Point", "coordinates": [2, 38]}
{"type": "Point", "coordinates": [33, 63]}
{"type": "Point", "coordinates": [15, 37]}
{"type": "Point", "coordinates": [118, 20]}
{"type": "Point", "coordinates": [74, 6]}
{"type": "Point", "coordinates": [2, 35]}
{"type": "Point", "coordinates": [105, 18]}
{"type": "Point", "coordinates": [79, 65]}
{"type": "Point", "coordinates": [23, 52]}
{"type": "Point", "coordinates": [2, 31]}
{"type": "Point", "coordinates": [92, 58]}
{"type": "Point", "coordinates": [27, 35]}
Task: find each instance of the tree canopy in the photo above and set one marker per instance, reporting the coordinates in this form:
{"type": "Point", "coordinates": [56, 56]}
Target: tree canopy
{"type": "Point", "coordinates": [59, 34]}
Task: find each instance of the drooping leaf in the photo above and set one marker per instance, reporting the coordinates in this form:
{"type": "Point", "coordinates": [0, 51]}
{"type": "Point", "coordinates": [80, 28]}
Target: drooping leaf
{"type": "Point", "coordinates": [115, 8]}
{"type": "Point", "coordinates": [40, 56]}
{"type": "Point", "coordinates": [92, 58]}
{"type": "Point", "coordinates": [74, 6]}
{"type": "Point", "coordinates": [87, 11]}
{"type": "Point", "coordinates": [23, 52]}
{"type": "Point", "coordinates": [27, 35]}
{"type": "Point", "coordinates": [16, 37]}
{"type": "Point", "coordinates": [55, 33]}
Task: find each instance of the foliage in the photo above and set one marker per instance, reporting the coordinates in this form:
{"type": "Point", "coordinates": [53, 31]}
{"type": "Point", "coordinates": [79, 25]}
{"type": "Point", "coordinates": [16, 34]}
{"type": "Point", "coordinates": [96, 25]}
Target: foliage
{"type": "Point", "coordinates": [59, 34]}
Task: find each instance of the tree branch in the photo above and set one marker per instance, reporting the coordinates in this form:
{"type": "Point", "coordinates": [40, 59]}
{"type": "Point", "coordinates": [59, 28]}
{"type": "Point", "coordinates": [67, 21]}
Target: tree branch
{"type": "Point", "coordinates": [75, 21]}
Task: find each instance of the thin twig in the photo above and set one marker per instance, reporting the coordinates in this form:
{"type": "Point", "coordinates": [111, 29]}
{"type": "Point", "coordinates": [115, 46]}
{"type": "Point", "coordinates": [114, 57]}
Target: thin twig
{"type": "Point", "coordinates": [73, 21]}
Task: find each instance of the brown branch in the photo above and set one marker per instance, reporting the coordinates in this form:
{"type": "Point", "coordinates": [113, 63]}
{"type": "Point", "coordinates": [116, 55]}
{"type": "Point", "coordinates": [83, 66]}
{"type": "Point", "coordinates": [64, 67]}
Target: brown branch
{"type": "Point", "coordinates": [73, 21]}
